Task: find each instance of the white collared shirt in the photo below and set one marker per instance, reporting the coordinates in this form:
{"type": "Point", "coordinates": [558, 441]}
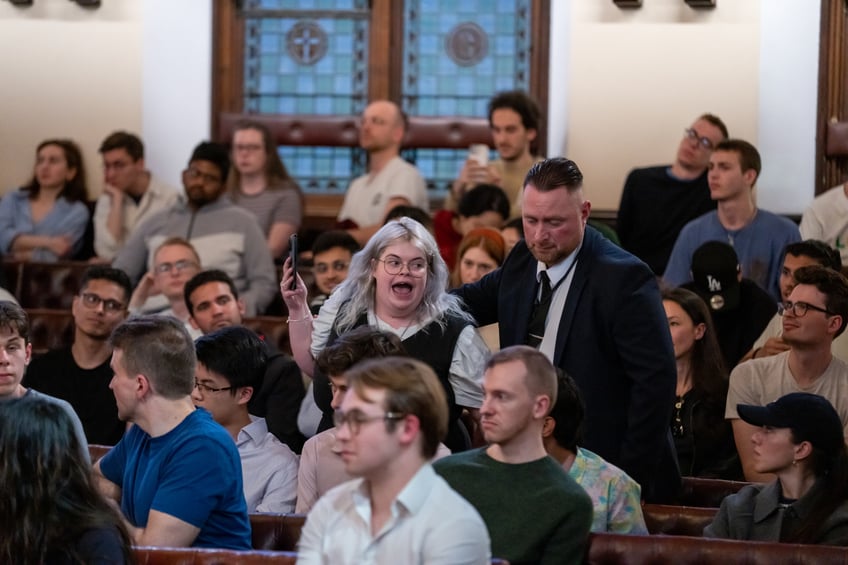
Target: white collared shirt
{"type": "Point", "coordinates": [555, 274]}
{"type": "Point", "coordinates": [269, 469]}
{"type": "Point", "coordinates": [430, 524]}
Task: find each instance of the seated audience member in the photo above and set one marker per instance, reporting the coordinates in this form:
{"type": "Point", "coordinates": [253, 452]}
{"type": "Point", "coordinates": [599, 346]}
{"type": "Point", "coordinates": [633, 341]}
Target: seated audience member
{"type": "Point", "coordinates": [797, 255]}
{"type": "Point", "coordinates": [512, 232]}
{"type": "Point", "coordinates": [190, 493]}
{"type": "Point", "coordinates": [825, 219]}
{"type": "Point", "coordinates": [80, 374]}
{"type": "Point", "coordinates": [52, 511]}
{"type": "Point", "coordinates": [399, 510]}
{"type": "Point", "coordinates": [321, 464]}
{"type": "Point", "coordinates": [480, 252]}
{"type": "Point", "coordinates": [389, 182]}
{"type": "Point", "coordinates": [799, 439]}
{"type": "Point", "coordinates": [46, 219]}
{"type": "Point", "coordinates": [14, 341]}
{"type": "Point", "coordinates": [260, 183]}
{"type": "Point", "coordinates": [514, 119]}
{"type": "Point", "coordinates": [230, 365]}
{"type": "Point", "coordinates": [816, 312]}
{"type": "Point", "coordinates": [616, 497]}
{"type": "Point", "coordinates": [484, 206]}
{"type": "Point", "coordinates": [657, 202]}
{"type": "Point", "coordinates": [703, 439]}
{"type": "Point", "coordinates": [759, 237]}
{"type": "Point", "coordinates": [549, 515]}
{"type": "Point", "coordinates": [225, 236]}
{"type": "Point", "coordinates": [213, 303]}
{"type": "Point", "coordinates": [130, 193]}
{"type": "Point", "coordinates": [331, 255]}
{"type": "Point", "coordinates": [396, 283]}
{"type": "Point", "coordinates": [175, 261]}
{"type": "Point", "coordinates": [740, 309]}
{"type": "Point", "coordinates": [419, 215]}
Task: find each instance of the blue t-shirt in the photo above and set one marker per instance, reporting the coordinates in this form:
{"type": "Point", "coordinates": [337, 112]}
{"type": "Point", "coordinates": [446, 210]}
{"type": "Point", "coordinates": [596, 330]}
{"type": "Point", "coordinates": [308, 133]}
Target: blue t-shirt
{"type": "Point", "coordinates": [192, 473]}
{"type": "Point", "coordinates": [759, 247]}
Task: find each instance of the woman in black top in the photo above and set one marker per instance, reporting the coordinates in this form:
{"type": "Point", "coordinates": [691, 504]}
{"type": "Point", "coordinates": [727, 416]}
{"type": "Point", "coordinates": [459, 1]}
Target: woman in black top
{"type": "Point", "coordinates": [52, 512]}
{"type": "Point", "coordinates": [702, 437]}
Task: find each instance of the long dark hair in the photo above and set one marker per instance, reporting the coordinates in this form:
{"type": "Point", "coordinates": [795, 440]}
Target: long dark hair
{"type": "Point", "coordinates": [831, 472]}
{"type": "Point", "coordinates": [75, 189]}
{"type": "Point", "coordinates": [50, 499]}
{"type": "Point", "coordinates": [709, 376]}
{"type": "Point", "coordinates": [276, 173]}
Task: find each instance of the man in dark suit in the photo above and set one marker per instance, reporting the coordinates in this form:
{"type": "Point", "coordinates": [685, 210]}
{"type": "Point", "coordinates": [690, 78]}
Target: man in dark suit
{"type": "Point", "coordinates": [595, 311]}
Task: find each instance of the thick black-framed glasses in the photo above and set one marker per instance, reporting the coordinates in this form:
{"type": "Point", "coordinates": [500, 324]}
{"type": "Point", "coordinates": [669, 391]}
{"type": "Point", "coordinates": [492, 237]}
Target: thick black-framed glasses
{"type": "Point", "coordinates": [91, 300]}
{"type": "Point", "coordinates": [356, 418]}
{"type": "Point", "coordinates": [799, 309]}
{"type": "Point", "coordinates": [206, 388]}
{"type": "Point", "coordinates": [703, 141]}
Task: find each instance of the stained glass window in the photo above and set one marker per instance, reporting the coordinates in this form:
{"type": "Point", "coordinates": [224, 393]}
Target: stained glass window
{"type": "Point", "coordinates": [311, 57]}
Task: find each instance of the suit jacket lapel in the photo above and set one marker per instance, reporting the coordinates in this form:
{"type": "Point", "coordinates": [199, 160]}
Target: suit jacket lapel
{"type": "Point", "coordinates": [520, 300]}
{"type": "Point", "coordinates": [575, 290]}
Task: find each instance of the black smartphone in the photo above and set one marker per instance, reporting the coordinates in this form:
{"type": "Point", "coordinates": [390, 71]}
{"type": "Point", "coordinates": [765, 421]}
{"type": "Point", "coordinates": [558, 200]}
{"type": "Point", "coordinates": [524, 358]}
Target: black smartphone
{"type": "Point", "coordinates": [293, 257]}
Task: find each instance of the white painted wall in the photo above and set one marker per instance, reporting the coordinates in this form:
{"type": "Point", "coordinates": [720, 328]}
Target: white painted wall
{"type": "Point", "coordinates": [624, 83]}
{"type": "Point", "coordinates": [66, 72]}
{"type": "Point", "coordinates": [789, 55]}
{"type": "Point", "coordinates": [176, 87]}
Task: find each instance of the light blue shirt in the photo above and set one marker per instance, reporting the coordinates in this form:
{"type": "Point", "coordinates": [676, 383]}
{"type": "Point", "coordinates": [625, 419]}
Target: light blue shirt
{"type": "Point", "coordinates": [66, 218]}
{"type": "Point", "coordinates": [759, 247]}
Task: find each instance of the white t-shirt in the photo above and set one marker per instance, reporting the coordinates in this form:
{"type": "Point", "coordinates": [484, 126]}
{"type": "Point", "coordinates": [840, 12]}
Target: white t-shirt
{"type": "Point", "coordinates": [367, 196]}
{"type": "Point", "coordinates": [764, 380]}
{"type": "Point", "coordinates": [826, 219]}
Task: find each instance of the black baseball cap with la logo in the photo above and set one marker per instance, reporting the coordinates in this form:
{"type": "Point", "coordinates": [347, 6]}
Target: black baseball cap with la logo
{"type": "Point", "coordinates": [715, 274]}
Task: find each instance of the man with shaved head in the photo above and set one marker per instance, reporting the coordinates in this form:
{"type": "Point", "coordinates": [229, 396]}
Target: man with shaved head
{"type": "Point", "coordinates": [389, 182]}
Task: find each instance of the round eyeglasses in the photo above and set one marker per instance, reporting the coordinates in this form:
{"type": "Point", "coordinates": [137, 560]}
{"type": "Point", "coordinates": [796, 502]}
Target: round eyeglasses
{"type": "Point", "coordinates": [394, 266]}
{"type": "Point", "coordinates": [356, 418]}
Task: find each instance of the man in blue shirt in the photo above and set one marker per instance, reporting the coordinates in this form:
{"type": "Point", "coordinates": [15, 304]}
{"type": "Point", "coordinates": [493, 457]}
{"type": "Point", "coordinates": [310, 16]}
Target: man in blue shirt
{"type": "Point", "coordinates": [176, 472]}
{"type": "Point", "coordinates": [757, 236]}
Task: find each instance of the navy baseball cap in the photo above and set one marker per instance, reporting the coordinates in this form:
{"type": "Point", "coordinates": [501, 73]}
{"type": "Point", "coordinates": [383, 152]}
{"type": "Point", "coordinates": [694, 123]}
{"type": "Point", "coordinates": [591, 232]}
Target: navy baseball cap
{"type": "Point", "coordinates": [810, 417]}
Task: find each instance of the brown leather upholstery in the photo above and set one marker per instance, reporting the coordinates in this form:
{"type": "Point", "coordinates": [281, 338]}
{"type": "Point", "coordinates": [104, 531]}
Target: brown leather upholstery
{"type": "Point", "coordinates": [274, 328]}
{"type": "Point", "coordinates": [619, 549]}
{"type": "Point", "coordinates": [677, 520]}
{"type": "Point", "coordinates": [193, 556]}
{"type": "Point", "coordinates": [706, 493]}
{"type": "Point", "coordinates": [341, 131]}
{"type": "Point", "coordinates": [277, 532]}
{"type": "Point", "coordinates": [50, 329]}
{"type": "Point", "coordinates": [50, 285]}
{"type": "Point", "coordinates": [96, 451]}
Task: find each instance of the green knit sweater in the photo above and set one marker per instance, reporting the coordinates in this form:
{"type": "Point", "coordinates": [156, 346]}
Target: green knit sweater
{"type": "Point", "coordinates": [534, 511]}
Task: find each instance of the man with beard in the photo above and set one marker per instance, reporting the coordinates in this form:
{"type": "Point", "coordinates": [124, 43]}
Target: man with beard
{"type": "Point", "coordinates": [595, 311]}
{"type": "Point", "coordinates": [225, 236]}
{"type": "Point", "coordinates": [814, 314]}
{"type": "Point", "coordinates": [389, 182]}
{"type": "Point", "coordinates": [80, 374]}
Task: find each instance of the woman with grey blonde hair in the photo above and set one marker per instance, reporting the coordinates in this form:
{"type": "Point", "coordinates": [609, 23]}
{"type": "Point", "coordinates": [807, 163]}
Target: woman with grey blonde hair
{"type": "Point", "coordinates": [396, 283]}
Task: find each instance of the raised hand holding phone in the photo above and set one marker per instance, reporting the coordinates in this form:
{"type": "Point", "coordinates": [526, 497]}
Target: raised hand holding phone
{"type": "Point", "coordinates": [293, 256]}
